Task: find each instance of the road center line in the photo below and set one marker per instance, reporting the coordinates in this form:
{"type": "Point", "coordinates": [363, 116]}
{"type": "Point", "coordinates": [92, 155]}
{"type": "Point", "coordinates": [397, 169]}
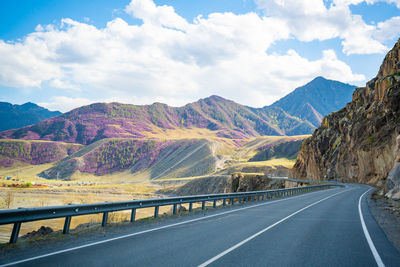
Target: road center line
{"type": "Point", "coordinates": [153, 229]}
{"type": "Point", "coordinates": [375, 253]}
{"type": "Point", "coordinates": [264, 230]}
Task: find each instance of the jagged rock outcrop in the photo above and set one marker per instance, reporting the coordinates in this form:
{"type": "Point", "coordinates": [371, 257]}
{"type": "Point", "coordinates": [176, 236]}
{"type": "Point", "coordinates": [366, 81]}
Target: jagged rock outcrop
{"type": "Point", "coordinates": [393, 180]}
{"type": "Point", "coordinates": [356, 143]}
{"type": "Point", "coordinates": [237, 182]}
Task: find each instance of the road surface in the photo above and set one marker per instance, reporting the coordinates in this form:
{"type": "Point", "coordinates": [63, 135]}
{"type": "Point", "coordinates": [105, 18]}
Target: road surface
{"type": "Point", "coordinates": [326, 228]}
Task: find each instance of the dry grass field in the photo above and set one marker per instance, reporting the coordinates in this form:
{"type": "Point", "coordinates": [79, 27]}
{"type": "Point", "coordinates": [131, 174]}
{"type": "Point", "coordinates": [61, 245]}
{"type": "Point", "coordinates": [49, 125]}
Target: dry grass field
{"type": "Point", "coordinates": [118, 186]}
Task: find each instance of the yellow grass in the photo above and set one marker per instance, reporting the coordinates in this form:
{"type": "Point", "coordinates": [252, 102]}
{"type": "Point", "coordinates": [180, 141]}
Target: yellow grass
{"type": "Point", "coordinates": [26, 172]}
{"type": "Point", "coordinates": [288, 163]}
{"type": "Point", "coordinates": [38, 141]}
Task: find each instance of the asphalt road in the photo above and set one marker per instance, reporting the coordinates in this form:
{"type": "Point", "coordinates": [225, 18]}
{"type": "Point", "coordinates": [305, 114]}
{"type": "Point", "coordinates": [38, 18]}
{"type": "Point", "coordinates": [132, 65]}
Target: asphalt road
{"type": "Point", "coordinates": [322, 228]}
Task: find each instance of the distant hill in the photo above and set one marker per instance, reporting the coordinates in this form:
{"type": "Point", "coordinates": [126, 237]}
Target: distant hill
{"type": "Point", "coordinates": [152, 158]}
{"type": "Point", "coordinates": [316, 99]}
{"type": "Point", "coordinates": [17, 116]}
{"type": "Point", "coordinates": [216, 116]}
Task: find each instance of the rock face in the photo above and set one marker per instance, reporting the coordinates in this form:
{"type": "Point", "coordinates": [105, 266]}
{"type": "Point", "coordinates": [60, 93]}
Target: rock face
{"type": "Point", "coordinates": [242, 182]}
{"type": "Point", "coordinates": [393, 180]}
{"type": "Point", "coordinates": [357, 143]}
{"type": "Point", "coordinates": [237, 182]}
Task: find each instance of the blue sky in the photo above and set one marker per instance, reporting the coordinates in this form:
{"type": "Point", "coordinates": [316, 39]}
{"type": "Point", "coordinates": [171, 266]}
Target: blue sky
{"type": "Point", "coordinates": [63, 54]}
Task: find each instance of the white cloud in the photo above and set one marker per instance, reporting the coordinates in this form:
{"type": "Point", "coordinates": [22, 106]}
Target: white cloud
{"type": "Point", "coordinates": [311, 20]}
{"type": "Point", "coordinates": [169, 59]}
{"type": "Point", "coordinates": [64, 103]}
{"type": "Point", "coordinates": [147, 11]}
{"type": "Point", "coordinates": [389, 29]}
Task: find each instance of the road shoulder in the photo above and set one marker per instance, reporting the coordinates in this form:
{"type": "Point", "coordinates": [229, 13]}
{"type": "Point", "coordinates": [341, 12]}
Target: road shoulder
{"type": "Point", "coordinates": [387, 214]}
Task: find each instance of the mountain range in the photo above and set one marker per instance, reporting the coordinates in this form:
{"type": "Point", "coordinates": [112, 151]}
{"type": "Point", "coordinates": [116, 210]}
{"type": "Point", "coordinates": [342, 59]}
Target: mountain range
{"type": "Point", "coordinates": [296, 114]}
{"type": "Point", "coordinates": [17, 116]}
{"type": "Point", "coordinates": [207, 136]}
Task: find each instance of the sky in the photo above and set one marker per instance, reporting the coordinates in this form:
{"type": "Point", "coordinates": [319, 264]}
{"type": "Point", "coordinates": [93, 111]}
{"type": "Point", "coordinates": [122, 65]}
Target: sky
{"type": "Point", "coordinates": [65, 54]}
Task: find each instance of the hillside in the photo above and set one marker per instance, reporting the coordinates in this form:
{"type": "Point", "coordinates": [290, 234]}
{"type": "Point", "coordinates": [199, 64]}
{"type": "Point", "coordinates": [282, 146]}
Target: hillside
{"type": "Point", "coordinates": [34, 152]}
{"type": "Point", "coordinates": [218, 116]}
{"type": "Point", "coordinates": [282, 149]}
{"type": "Point", "coordinates": [316, 99]}
{"type": "Point", "coordinates": [360, 142]}
{"type": "Point", "coordinates": [151, 158]}
{"type": "Point", "coordinates": [17, 116]}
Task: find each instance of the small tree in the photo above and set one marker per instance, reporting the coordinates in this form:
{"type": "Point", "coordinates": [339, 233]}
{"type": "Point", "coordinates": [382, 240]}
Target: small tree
{"type": "Point", "coordinates": [9, 198]}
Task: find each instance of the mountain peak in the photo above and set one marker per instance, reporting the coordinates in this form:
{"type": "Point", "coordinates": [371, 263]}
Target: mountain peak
{"type": "Point", "coordinates": [16, 116]}
{"type": "Point", "coordinates": [316, 99]}
{"type": "Point", "coordinates": [215, 98]}
{"type": "Point", "coordinates": [319, 78]}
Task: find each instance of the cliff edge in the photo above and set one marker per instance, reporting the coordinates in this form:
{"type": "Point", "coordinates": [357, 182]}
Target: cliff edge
{"type": "Point", "coordinates": [359, 143]}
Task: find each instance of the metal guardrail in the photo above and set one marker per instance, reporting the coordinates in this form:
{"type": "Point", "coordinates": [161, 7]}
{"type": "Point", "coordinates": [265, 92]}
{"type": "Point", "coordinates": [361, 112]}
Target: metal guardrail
{"type": "Point", "coordinates": [22, 215]}
{"type": "Point", "coordinates": [284, 178]}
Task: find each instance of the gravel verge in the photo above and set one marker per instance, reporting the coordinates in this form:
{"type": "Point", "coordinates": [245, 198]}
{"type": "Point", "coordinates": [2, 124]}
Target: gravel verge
{"type": "Point", "coordinates": [387, 213]}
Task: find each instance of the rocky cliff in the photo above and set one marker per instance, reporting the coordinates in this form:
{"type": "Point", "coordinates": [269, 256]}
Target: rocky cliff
{"type": "Point", "coordinates": [237, 182]}
{"type": "Point", "coordinates": [358, 143]}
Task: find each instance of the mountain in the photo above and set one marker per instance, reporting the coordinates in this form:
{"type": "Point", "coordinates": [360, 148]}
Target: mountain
{"type": "Point", "coordinates": [215, 116]}
{"type": "Point", "coordinates": [17, 116]}
{"type": "Point", "coordinates": [360, 143]}
{"type": "Point", "coordinates": [152, 158]}
{"type": "Point", "coordinates": [316, 99]}
{"type": "Point", "coordinates": [210, 136]}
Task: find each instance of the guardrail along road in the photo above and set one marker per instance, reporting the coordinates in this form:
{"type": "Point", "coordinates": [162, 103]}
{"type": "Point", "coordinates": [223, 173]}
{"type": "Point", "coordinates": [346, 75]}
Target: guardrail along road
{"type": "Point", "coordinates": [323, 228]}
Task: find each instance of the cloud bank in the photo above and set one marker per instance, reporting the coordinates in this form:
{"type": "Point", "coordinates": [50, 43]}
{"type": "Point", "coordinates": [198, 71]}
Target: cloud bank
{"type": "Point", "coordinates": [169, 59]}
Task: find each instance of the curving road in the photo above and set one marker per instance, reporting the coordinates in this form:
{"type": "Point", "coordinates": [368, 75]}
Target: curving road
{"type": "Point", "coordinates": [325, 228]}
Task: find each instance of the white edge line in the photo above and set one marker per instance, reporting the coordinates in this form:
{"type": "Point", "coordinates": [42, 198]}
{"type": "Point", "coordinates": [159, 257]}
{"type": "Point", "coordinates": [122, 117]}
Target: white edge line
{"type": "Point", "coordinates": [151, 230]}
{"type": "Point", "coordinates": [264, 230]}
{"type": "Point", "coordinates": [375, 253]}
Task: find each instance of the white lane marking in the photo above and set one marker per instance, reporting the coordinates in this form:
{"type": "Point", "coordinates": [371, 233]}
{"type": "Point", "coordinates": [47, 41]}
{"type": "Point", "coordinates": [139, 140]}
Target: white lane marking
{"type": "Point", "coordinates": [223, 253]}
{"type": "Point", "coordinates": [375, 253]}
{"type": "Point", "coordinates": [153, 229]}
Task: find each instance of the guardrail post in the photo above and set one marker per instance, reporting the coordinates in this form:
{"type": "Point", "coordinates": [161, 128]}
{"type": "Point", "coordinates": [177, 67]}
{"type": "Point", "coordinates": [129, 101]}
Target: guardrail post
{"type": "Point", "coordinates": [174, 209]}
{"type": "Point", "coordinates": [67, 223]}
{"type": "Point", "coordinates": [190, 206]}
{"type": "Point", "coordinates": [215, 203]}
{"type": "Point", "coordinates": [156, 211]}
{"type": "Point", "coordinates": [15, 232]}
{"type": "Point", "coordinates": [105, 217]}
{"type": "Point", "coordinates": [133, 215]}
{"type": "Point", "coordinates": [232, 201]}
{"type": "Point", "coordinates": [203, 204]}
{"type": "Point", "coordinates": [224, 202]}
